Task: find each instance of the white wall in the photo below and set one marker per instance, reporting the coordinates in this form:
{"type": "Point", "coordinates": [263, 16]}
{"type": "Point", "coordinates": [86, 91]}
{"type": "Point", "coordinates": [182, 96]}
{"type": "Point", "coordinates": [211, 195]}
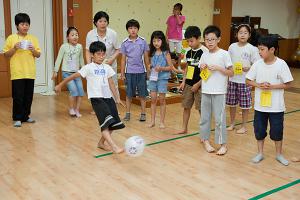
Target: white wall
{"type": "Point", "coordinates": [279, 16]}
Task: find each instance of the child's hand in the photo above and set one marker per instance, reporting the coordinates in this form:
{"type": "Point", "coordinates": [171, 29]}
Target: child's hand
{"type": "Point", "coordinates": [246, 69]}
{"type": "Point", "coordinates": [122, 77]}
{"type": "Point", "coordinates": [120, 102]}
{"type": "Point", "coordinates": [195, 88]}
{"type": "Point", "coordinates": [31, 47]}
{"type": "Point", "coordinates": [57, 88]}
{"type": "Point", "coordinates": [214, 68]}
{"type": "Point", "coordinates": [264, 85]}
{"type": "Point", "coordinates": [181, 86]}
{"type": "Point", "coordinates": [109, 61]}
{"type": "Point", "coordinates": [158, 69]}
{"type": "Point", "coordinates": [203, 66]}
{"type": "Point", "coordinates": [54, 76]}
{"type": "Point", "coordinates": [17, 45]}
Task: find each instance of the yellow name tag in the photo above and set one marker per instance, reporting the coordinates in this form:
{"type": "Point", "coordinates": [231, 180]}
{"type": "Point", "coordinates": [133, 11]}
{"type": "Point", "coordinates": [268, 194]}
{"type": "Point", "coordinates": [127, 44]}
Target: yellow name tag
{"type": "Point", "coordinates": [266, 98]}
{"type": "Point", "coordinates": [205, 74]}
{"type": "Point", "coordinates": [190, 72]}
{"type": "Point", "coordinates": [238, 68]}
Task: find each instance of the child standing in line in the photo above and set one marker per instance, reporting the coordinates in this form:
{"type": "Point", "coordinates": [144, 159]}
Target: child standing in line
{"type": "Point", "coordinates": [100, 90]}
{"type": "Point", "coordinates": [270, 76]}
{"type": "Point", "coordinates": [215, 66]}
{"type": "Point", "coordinates": [134, 64]}
{"type": "Point", "coordinates": [174, 28]}
{"type": "Point", "coordinates": [71, 54]}
{"type": "Point", "coordinates": [243, 55]}
{"type": "Point", "coordinates": [191, 81]}
{"type": "Point", "coordinates": [161, 65]}
{"type": "Point", "coordinates": [22, 49]}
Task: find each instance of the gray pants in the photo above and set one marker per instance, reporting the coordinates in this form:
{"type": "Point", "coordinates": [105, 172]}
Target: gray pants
{"type": "Point", "coordinates": [213, 103]}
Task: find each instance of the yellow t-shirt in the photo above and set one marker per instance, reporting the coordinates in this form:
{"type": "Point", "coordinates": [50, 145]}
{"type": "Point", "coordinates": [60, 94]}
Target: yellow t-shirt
{"type": "Point", "coordinates": [22, 63]}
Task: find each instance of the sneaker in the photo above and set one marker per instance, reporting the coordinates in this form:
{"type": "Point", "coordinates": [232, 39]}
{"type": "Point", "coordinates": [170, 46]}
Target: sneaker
{"type": "Point", "coordinates": [17, 124]}
{"type": "Point", "coordinates": [72, 112]}
{"type": "Point", "coordinates": [127, 117]}
{"type": "Point", "coordinates": [282, 160]}
{"type": "Point", "coordinates": [143, 117]}
{"type": "Point", "coordinates": [30, 120]}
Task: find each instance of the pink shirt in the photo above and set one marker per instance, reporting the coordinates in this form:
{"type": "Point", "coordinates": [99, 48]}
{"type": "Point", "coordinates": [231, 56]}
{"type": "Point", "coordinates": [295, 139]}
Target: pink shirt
{"type": "Point", "coordinates": [175, 29]}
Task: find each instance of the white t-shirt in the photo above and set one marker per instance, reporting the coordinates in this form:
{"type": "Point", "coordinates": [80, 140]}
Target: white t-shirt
{"type": "Point", "coordinates": [276, 73]}
{"type": "Point", "coordinates": [246, 55]}
{"type": "Point", "coordinates": [110, 40]}
{"type": "Point", "coordinates": [217, 82]}
{"type": "Point", "coordinates": [97, 79]}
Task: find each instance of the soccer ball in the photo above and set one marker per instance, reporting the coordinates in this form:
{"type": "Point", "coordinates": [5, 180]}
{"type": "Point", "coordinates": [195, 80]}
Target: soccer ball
{"type": "Point", "coordinates": [134, 146]}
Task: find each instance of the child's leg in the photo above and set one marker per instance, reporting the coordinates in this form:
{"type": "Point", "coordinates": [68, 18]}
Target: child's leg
{"type": "Point", "coordinates": [276, 134]}
{"type": "Point", "coordinates": [232, 118]}
{"type": "Point", "coordinates": [185, 120]}
{"type": "Point", "coordinates": [77, 103]}
{"type": "Point", "coordinates": [260, 129]}
{"type": "Point", "coordinates": [102, 145]}
{"type": "Point", "coordinates": [107, 136]}
{"type": "Point", "coordinates": [28, 97]}
{"type": "Point", "coordinates": [72, 105]}
{"type": "Point", "coordinates": [243, 129]}
{"type": "Point", "coordinates": [153, 108]}
{"type": "Point", "coordinates": [205, 121]}
{"type": "Point", "coordinates": [162, 101]}
{"type": "Point", "coordinates": [218, 107]}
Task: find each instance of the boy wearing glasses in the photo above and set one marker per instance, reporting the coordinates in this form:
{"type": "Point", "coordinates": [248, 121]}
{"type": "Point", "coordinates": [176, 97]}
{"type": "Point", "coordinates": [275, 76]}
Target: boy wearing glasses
{"type": "Point", "coordinates": [215, 67]}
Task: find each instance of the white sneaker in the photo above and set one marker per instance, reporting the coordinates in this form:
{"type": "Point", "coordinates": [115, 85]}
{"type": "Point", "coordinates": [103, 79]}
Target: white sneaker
{"type": "Point", "coordinates": [72, 112]}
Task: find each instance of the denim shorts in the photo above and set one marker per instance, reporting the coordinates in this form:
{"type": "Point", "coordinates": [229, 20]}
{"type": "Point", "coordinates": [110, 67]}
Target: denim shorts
{"type": "Point", "coordinates": [75, 86]}
{"type": "Point", "coordinates": [136, 85]}
{"type": "Point", "coordinates": [261, 123]}
{"type": "Point", "coordinates": [160, 86]}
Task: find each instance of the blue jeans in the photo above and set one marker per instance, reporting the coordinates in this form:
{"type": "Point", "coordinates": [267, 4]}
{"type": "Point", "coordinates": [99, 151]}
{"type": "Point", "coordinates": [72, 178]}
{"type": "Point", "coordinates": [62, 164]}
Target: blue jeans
{"type": "Point", "coordinates": [75, 86]}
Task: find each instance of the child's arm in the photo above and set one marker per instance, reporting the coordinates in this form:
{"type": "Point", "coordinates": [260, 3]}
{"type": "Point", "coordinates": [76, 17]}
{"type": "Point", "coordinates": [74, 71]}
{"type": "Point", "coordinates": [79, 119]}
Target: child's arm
{"type": "Point", "coordinates": [226, 71]}
{"type": "Point", "coordinates": [114, 91]}
{"type": "Point", "coordinates": [180, 19]}
{"type": "Point", "coordinates": [81, 60]}
{"type": "Point", "coordinates": [34, 52]}
{"type": "Point", "coordinates": [196, 86]}
{"type": "Point", "coordinates": [58, 60]}
{"type": "Point", "coordinates": [146, 60]}
{"type": "Point", "coordinates": [181, 86]}
{"type": "Point", "coordinates": [264, 85]}
{"type": "Point", "coordinates": [169, 67]}
{"type": "Point", "coordinates": [123, 60]}
{"type": "Point", "coordinates": [280, 86]}
{"type": "Point", "coordinates": [13, 50]}
{"type": "Point", "coordinates": [65, 81]}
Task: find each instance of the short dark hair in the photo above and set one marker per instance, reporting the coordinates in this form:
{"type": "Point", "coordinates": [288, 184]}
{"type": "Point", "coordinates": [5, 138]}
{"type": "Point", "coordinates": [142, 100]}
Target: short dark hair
{"type": "Point", "coordinates": [192, 31]}
{"type": "Point", "coordinates": [99, 15]}
{"type": "Point", "coordinates": [132, 23]}
{"type": "Point", "coordinates": [269, 41]}
{"type": "Point", "coordinates": [212, 29]}
{"type": "Point", "coordinates": [164, 45]}
{"type": "Point", "coordinates": [22, 18]}
{"type": "Point", "coordinates": [174, 56]}
{"type": "Point", "coordinates": [178, 5]}
{"type": "Point", "coordinates": [71, 28]}
{"type": "Point", "coordinates": [97, 46]}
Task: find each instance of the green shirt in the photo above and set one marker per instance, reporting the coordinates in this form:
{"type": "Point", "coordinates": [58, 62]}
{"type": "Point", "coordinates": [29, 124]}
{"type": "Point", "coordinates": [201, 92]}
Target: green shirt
{"type": "Point", "coordinates": [71, 57]}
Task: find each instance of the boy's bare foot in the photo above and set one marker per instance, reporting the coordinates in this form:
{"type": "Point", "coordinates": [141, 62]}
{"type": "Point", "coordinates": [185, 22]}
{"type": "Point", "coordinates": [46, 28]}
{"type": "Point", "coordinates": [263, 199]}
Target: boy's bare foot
{"type": "Point", "coordinates": [208, 147]}
{"type": "Point", "coordinates": [104, 147]}
{"type": "Point", "coordinates": [230, 128]}
{"type": "Point", "coordinates": [151, 125]}
{"type": "Point", "coordinates": [162, 125]}
{"type": "Point", "coordinates": [222, 151]}
{"type": "Point", "coordinates": [93, 113]}
{"type": "Point", "coordinates": [182, 132]}
{"type": "Point", "coordinates": [294, 159]}
{"type": "Point", "coordinates": [242, 130]}
{"type": "Point", "coordinates": [118, 150]}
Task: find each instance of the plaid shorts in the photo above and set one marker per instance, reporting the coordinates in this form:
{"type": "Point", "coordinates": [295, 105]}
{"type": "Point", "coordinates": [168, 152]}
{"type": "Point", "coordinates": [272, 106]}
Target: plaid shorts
{"type": "Point", "coordinates": [239, 93]}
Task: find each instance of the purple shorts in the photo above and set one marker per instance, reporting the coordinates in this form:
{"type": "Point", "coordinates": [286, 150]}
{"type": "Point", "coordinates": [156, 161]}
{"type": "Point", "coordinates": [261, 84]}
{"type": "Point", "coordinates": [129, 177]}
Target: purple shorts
{"type": "Point", "coordinates": [239, 93]}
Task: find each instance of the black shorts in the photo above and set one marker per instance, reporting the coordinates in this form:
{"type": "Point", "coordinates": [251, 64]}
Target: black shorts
{"type": "Point", "coordinates": [261, 123]}
{"type": "Point", "coordinates": [107, 113]}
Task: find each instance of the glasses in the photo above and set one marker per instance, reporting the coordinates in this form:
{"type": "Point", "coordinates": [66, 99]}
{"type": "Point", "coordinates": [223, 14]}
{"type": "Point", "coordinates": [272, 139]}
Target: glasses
{"type": "Point", "coordinates": [211, 39]}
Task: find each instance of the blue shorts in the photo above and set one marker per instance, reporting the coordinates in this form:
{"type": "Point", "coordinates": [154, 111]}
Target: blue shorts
{"type": "Point", "coordinates": [75, 86]}
{"type": "Point", "coordinates": [261, 123]}
{"type": "Point", "coordinates": [136, 85]}
{"type": "Point", "coordinates": [160, 86]}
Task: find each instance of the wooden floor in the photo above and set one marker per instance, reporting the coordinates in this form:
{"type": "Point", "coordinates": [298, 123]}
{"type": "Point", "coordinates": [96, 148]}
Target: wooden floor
{"type": "Point", "coordinates": [55, 158]}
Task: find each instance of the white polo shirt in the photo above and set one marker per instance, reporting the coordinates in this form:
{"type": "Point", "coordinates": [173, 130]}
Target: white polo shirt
{"type": "Point", "coordinates": [110, 40]}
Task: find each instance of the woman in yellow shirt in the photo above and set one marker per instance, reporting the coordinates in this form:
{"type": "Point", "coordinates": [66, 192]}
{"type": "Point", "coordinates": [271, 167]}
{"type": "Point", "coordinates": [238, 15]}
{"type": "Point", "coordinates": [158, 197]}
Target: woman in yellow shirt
{"type": "Point", "coordinates": [22, 49]}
